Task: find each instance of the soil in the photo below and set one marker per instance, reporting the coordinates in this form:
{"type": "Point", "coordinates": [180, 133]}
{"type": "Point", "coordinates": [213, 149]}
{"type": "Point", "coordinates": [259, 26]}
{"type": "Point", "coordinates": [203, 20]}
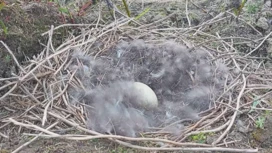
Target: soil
{"type": "Point", "coordinates": [26, 21]}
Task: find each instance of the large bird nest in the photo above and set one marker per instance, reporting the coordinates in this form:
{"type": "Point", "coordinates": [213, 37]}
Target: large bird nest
{"type": "Point", "coordinates": [41, 88]}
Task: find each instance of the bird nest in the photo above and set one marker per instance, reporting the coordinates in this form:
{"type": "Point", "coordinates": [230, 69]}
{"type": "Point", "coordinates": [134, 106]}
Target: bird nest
{"type": "Point", "coordinates": [201, 90]}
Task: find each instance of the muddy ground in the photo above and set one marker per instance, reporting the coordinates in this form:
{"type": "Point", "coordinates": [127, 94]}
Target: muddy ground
{"type": "Point", "coordinates": [26, 21]}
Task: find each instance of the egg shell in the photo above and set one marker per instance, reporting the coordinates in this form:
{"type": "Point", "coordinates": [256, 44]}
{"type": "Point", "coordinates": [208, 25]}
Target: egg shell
{"type": "Point", "coordinates": [146, 97]}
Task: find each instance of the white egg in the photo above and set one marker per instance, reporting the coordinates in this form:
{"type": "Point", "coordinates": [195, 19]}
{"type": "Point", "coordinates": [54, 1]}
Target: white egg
{"type": "Point", "coordinates": [146, 97]}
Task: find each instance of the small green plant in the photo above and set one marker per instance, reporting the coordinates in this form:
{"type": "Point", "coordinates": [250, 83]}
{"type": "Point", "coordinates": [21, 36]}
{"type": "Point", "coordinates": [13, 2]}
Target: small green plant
{"type": "Point", "coordinates": [3, 26]}
{"type": "Point", "coordinates": [126, 7]}
{"type": "Point", "coordinates": [2, 5]}
{"type": "Point", "coordinates": [260, 122]}
{"type": "Point", "coordinates": [199, 138]}
{"type": "Point", "coordinates": [64, 10]}
{"type": "Point", "coordinates": [237, 6]}
{"type": "Point", "coordinates": [142, 14]}
{"type": "Point", "coordinates": [267, 113]}
{"type": "Point", "coordinates": [252, 8]}
{"type": "Point", "coordinates": [254, 104]}
{"type": "Point", "coordinates": [7, 58]}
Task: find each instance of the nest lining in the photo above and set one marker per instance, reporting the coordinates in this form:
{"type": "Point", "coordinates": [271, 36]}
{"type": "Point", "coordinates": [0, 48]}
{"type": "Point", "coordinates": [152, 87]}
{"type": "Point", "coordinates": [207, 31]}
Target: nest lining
{"type": "Point", "coordinates": [184, 79]}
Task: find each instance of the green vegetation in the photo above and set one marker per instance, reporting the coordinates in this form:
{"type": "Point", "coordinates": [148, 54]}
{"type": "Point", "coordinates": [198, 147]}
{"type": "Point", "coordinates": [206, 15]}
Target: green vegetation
{"type": "Point", "coordinates": [2, 5]}
{"type": "Point", "coordinates": [238, 6]}
{"type": "Point", "coordinates": [3, 26]}
{"type": "Point", "coordinates": [7, 58]}
{"type": "Point", "coordinates": [126, 7]}
{"type": "Point", "coordinates": [142, 14]}
{"type": "Point", "coordinates": [254, 104]}
{"type": "Point", "coordinates": [253, 8]}
{"type": "Point", "coordinates": [260, 122]}
{"type": "Point", "coordinates": [199, 138]}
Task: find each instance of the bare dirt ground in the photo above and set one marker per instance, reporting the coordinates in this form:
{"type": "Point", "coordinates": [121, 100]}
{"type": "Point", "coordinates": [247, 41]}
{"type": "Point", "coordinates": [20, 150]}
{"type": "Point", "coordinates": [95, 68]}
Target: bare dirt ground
{"type": "Point", "coordinates": [200, 23]}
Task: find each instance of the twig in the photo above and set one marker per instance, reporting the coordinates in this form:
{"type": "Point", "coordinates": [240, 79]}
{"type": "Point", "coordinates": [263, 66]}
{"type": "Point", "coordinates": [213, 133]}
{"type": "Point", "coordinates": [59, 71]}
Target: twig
{"type": "Point", "coordinates": [189, 149]}
{"type": "Point", "coordinates": [11, 78]}
{"type": "Point", "coordinates": [187, 13]}
{"type": "Point", "coordinates": [13, 57]}
{"type": "Point", "coordinates": [209, 131]}
{"type": "Point", "coordinates": [70, 25]}
{"type": "Point", "coordinates": [158, 21]}
{"type": "Point", "coordinates": [3, 135]}
{"type": "Point", "coordinates": [245, 22]}
{"type": "Point", "coordinates": [256, 48]}
{"type": "Point", "coordinates": [6, 94]}
{"type": "Point", "coordinates": [102, 136]}
{"type": "Point", "coordinates": [33, 139]}
{"type": "Point", "coordinates": [32, 126]}
{"type": "Point", "coordinates": [7, 85]}
{"type": "Point", "coordinates": [201, 9]}
{"type": "Point", "coordinates": [215, 119]}
{"type": "Point", "coordinates": [264, 109]}
{"type": "Point", "coordinates": [4, 125]}
{"type": "Point", "coordinates": [235, 112]}
{"type": "Point", "coordinates": [116, 136]}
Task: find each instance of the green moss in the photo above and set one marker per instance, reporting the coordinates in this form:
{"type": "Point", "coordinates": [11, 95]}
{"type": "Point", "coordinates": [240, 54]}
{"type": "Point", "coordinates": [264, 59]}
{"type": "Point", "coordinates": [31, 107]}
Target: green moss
{"type": "Point", "coordinates": [25, 27]}
{"type": "Point", "coordinates": [258, 135]}
{"type": "Point", "coordinates": [253, 7]}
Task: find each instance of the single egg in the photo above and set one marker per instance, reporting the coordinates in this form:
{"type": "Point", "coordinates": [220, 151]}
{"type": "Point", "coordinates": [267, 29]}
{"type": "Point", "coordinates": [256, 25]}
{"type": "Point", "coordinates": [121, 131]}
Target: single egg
{"type": "Point", "coordinates": [146, 97]}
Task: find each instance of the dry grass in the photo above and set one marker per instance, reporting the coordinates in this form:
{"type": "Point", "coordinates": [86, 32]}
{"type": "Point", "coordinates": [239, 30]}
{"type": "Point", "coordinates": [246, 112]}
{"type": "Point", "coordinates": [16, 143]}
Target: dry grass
{"type": "Point", "coordinates": [40, 91]}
